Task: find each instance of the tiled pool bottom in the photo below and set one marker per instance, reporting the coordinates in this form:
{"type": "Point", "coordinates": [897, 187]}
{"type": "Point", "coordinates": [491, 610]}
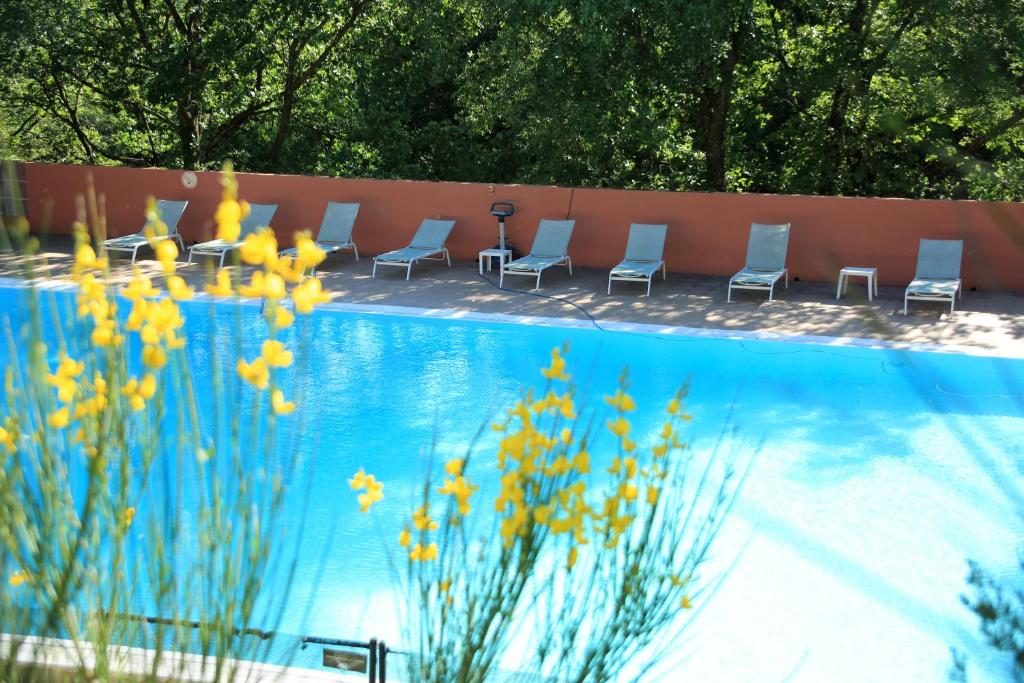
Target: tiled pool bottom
{"type": "Point", "coordinates": [879, 473]}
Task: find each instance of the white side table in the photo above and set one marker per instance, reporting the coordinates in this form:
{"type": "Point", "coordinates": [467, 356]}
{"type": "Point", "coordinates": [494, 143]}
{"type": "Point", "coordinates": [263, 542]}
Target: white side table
{"type": "Point", "coordinates": [503, 255]}
{"type": "Point", "coordinates": [870, 273]}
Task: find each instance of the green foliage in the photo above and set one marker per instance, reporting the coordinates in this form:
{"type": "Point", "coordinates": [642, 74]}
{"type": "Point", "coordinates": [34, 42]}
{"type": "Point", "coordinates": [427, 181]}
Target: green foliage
{"type": "Point", "coordinates": [1000, 607]}
{"type": "Point", "coordinates": [907, 98]}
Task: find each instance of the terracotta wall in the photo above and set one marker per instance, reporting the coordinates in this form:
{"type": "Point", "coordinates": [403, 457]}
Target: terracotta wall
{"type": "Point", "coordinates": [707, 231]}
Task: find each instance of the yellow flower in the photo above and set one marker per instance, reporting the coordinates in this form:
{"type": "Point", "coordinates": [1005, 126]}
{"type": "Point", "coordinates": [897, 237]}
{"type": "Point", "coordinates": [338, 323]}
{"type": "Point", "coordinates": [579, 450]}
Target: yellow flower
{"type": "Point", "coordinates": [453, 467]}
{"type": "Point", "coordinates": [628, 491]}
{"type": "Point", "coordinates": [139, 287]}
{"type": "Point", "coordinates": [673, 406]}
{"type": "Point", "coordinates": [7, 439]}
{"type": "Point", "coordinates": [223, 284]}
{"type": "Point", "coordinates": [17, 578]}
{"type": "Point", "coordinates": [307, 252]}
{"type": "Point", "coordinates": [621, 401]}
{"type": "Point", "coordinates": [404, 538]}
{"type": "Point", "coordinates": [557, 367]}
{"type": "Point", "coordinates": [256, 373]}
{"type": "Point", "coordinates": [652, 495]}
{"type": "Point", "coordinates": [660, 450]}
{"type": "Point", "coordinates": [461, 489]}
{"type": "Point", "coordinates": [275, 355]}
{"type": "Point", "coordinates": [445, 586]}
{"type": "Point", "coordinates": [128, 516]}
{"type": "Point", "coordinates": [281, 407]}
{"type": "Point", "coordinates": [85, 258]}
{"type": "Point", "coordinates": [308, 294]}
{"type": "Point", "coordinates": [58, 419]}
{"type": "Point", "coordinates": [358, 480]}
{"type": "Point", "coordinates": [230, 212]}
{"type": "Point", "coordinates": [685, 602]}
{"type": "Point", "coordinates": [566, 436]}
{"type": "Point", "coordinates": [167, 254]}
{"type": "Point", "coordinates": [628, 444]}
{"type": "Point", "coordinates": [260, 248]}
{"type": "Point", "coordinates": [421, 554]}
{"type": "Point", "coordinates": [620, 427]}
{"type": "Point", "coordinates": [154, 357]}
{"type": "Point", "coordinates": [177, 288]}
{"type": "Point", "coordinates": [279, 316]}
{"type": "Point", "coordinates": [581, 462]}
{"type": "Point", "coordinates": [574, 554]}
{"type": "Point", "coordinates": [421, 520]}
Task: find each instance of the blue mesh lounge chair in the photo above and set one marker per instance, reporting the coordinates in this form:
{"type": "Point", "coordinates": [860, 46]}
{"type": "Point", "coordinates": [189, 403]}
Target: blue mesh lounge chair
{"type": "Point", "coordinates": [550, 248]}
{"type": "Point", "coordinates": [644, 251]}
{"type": "Point", "coordinates": [766, 260]}
{"type": "Point", "coordinates": [335, 230]}
{"type": "Point", "coordinates": [938, 273]}
{"type": "Point", "coordinates": [170, 213]}
{"type": "Point", "coordinates": [259, 216]}
{"type": "Point", "coordinates": [427, 243]}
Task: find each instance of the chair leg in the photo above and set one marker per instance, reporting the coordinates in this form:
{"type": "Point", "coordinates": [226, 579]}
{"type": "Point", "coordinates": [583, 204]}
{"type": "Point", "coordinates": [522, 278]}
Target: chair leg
{"type": "Point", "coordinates": [839, 285]}
{"type": "Point", "coordinates": [609, 284]}
{"type": "Point", "coordinates": [408, 271]}
{"type": "Point", "coordinates": [649, 285]}
{"type": "Point", "coordinates": [135, 253]}
{"type": "Point", "coordinates": [222, 255]}
{"type": "Point", "coordinates": [728, 297]}
{"type": "Point", "coordinates": [356, 250]}
{"type": "Point", "coordinates": [787, 278]}
{"type": "Point", "coordinates": [374, 273]}
{"type": "Point", "coordinates": [181, 242]}
{"type": "Point", "coordinates": [664, 271]}
{"type": "Point", "coordinates": [538, 279]}
{"type": "Point", "coordinates": [448, 257]}
{"type": "Point", "coordinates": [771, 290]}
{"type": "Point", "coordinates": [569, 259]}
{"type": "Point", "coordinates": [501, 278]}
{"type": "Point", "coordinates": [904, 303]}
{"type": "Point", "coordinates": [189, 258]}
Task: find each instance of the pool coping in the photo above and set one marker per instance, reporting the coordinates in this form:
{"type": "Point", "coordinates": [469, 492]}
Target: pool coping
{"type": "Point", "coordinates": [650, 329]}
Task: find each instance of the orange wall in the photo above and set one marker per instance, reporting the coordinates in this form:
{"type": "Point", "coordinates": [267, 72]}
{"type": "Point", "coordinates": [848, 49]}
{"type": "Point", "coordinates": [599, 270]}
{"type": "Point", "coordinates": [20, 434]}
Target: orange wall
{"type": "Point", "coordinates": [707, 231]}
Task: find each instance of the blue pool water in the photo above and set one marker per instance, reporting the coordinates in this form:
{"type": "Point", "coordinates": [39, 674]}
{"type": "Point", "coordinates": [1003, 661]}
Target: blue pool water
{"type": "Point", "coordinates": [878, 473]}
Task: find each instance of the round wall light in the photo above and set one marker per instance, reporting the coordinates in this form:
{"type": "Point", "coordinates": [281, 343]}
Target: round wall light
{"type": "Point", "coordinates": [189, 180]}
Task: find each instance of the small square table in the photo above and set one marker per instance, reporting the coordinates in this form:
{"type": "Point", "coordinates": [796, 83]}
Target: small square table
{"type": "Point", "coordinates": [503, 255]}
{"type": "Point", "coordinates": [856, 271]}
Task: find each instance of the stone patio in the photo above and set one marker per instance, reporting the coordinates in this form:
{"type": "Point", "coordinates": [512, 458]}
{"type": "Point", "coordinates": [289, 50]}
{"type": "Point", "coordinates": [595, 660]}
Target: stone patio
{"type": "Point", "coordinates": [985, 322]}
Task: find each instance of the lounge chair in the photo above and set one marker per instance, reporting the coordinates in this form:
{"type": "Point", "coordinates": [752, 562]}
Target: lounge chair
{"type": "Point", "coordinates": [335, 230]}
{"type": "Point", "coordinates": [766, 260]}
{"type": "Point", "coordinates": [550, 248]}
{"type": "Point", "coordinates": [644, 251]}
{"type": "Point", "coordinates": [938, 273]}
{"type": "Point", "coordinates": [427, 243]}
{"type": "Point", "coordinates": [170, 213]}
{"type": "Point", "coordinates": [259, 216]}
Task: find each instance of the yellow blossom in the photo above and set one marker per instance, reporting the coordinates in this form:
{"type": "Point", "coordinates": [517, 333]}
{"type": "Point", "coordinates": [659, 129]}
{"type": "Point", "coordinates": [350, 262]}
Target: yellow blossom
{"type": "Point", "coordinates": [154, 357]}
{"type": "Point", "coordinates": [685, 602]}
{"type": "Point", "coordinates": [128, 516]}
{"type": "Point", "coordinates": [421, 520]}
{"type": "Point", "coordinates": [453, 467]}
{"type": "Point", "coordinates": [308, 294]}
{"type": "Point", "coordinates": [581, 462]}
{"type": "Point", "coordinates": [673, 406]}
{"type": "Point", "coordinates": [256, 373]}
{"type": "Point", "coordinates": [275, 355]}
{"type": "Point", "coordinates": [421, 554]}
{"type": "Point", "coordinates": [306, 250]}
{"type": "Point", "coordinates": [358, 480]}
{"type": "Point", "coordinates": [167, 255]}
{"type": "Point", "coordinates": [461, 489]}
{"type": "Point", "coordinates": [620, 427]}
{"type": "Point", "coordinates": [566, 436]}
{"type": "Point", "coordinates": [574, 554]}
{"type": "Point", "coordinates": [281, 407]}
{"type": "Point", "coordinates": [260, 248]}
{"type": "Point", "coordinates": [7, 439]}
{"type": "Point", "coordinates": [404, 538]}
{"type": "Point", "coordinates": [652, 495]}
{"type": "Point", "coordinates": [557, 368]}
{"type": "Point", "coordinates": [139, 287]}
{"type": "Point", "coordinates": [17, 578]}
{"type": "Point", "coordinates": [621, 401]}
{"type": "Point", "coordinates": [223, 284]}
{"type": "Point", "coordinates": [178, 289]}
{"type": "Point", "coordinates": [58, 419]}
{"type": "Point", "coordinates": [279, 316]}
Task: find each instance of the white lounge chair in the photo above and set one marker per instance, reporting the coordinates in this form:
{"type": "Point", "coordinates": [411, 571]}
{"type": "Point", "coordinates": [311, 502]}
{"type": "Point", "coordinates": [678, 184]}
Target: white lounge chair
{"type": "Point", "coordinates": [335, 231]}
{"type": "Point", "coordinates": [550, 248]}
{"type": "Point", "coordinates": [170, 213]}
{"type": "Point", "coordinates": [766, 260]}
{"type": "Point", "coordinates": [259, 216]}
{"type": "Point", "coordinates": [427, 243]}
{"type": "Point", "coordinates": [938, 273]}
{"type": "Point", "coordinates": [645, 249]}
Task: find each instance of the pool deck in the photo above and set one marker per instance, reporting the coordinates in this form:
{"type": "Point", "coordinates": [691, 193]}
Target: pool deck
{"type": "Point", "coordinates": [984, 322]}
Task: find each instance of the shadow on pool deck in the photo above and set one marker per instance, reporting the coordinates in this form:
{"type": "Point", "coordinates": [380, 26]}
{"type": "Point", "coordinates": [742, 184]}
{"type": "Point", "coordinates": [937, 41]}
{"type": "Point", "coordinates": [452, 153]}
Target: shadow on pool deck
{"type": "Point", "coordinates": [990, 321]}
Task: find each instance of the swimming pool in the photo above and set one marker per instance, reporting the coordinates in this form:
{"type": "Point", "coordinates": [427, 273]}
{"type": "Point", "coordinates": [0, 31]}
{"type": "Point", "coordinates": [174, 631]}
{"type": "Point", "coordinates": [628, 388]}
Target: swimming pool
{"type": "Point", "coordinates": [879, 473]}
